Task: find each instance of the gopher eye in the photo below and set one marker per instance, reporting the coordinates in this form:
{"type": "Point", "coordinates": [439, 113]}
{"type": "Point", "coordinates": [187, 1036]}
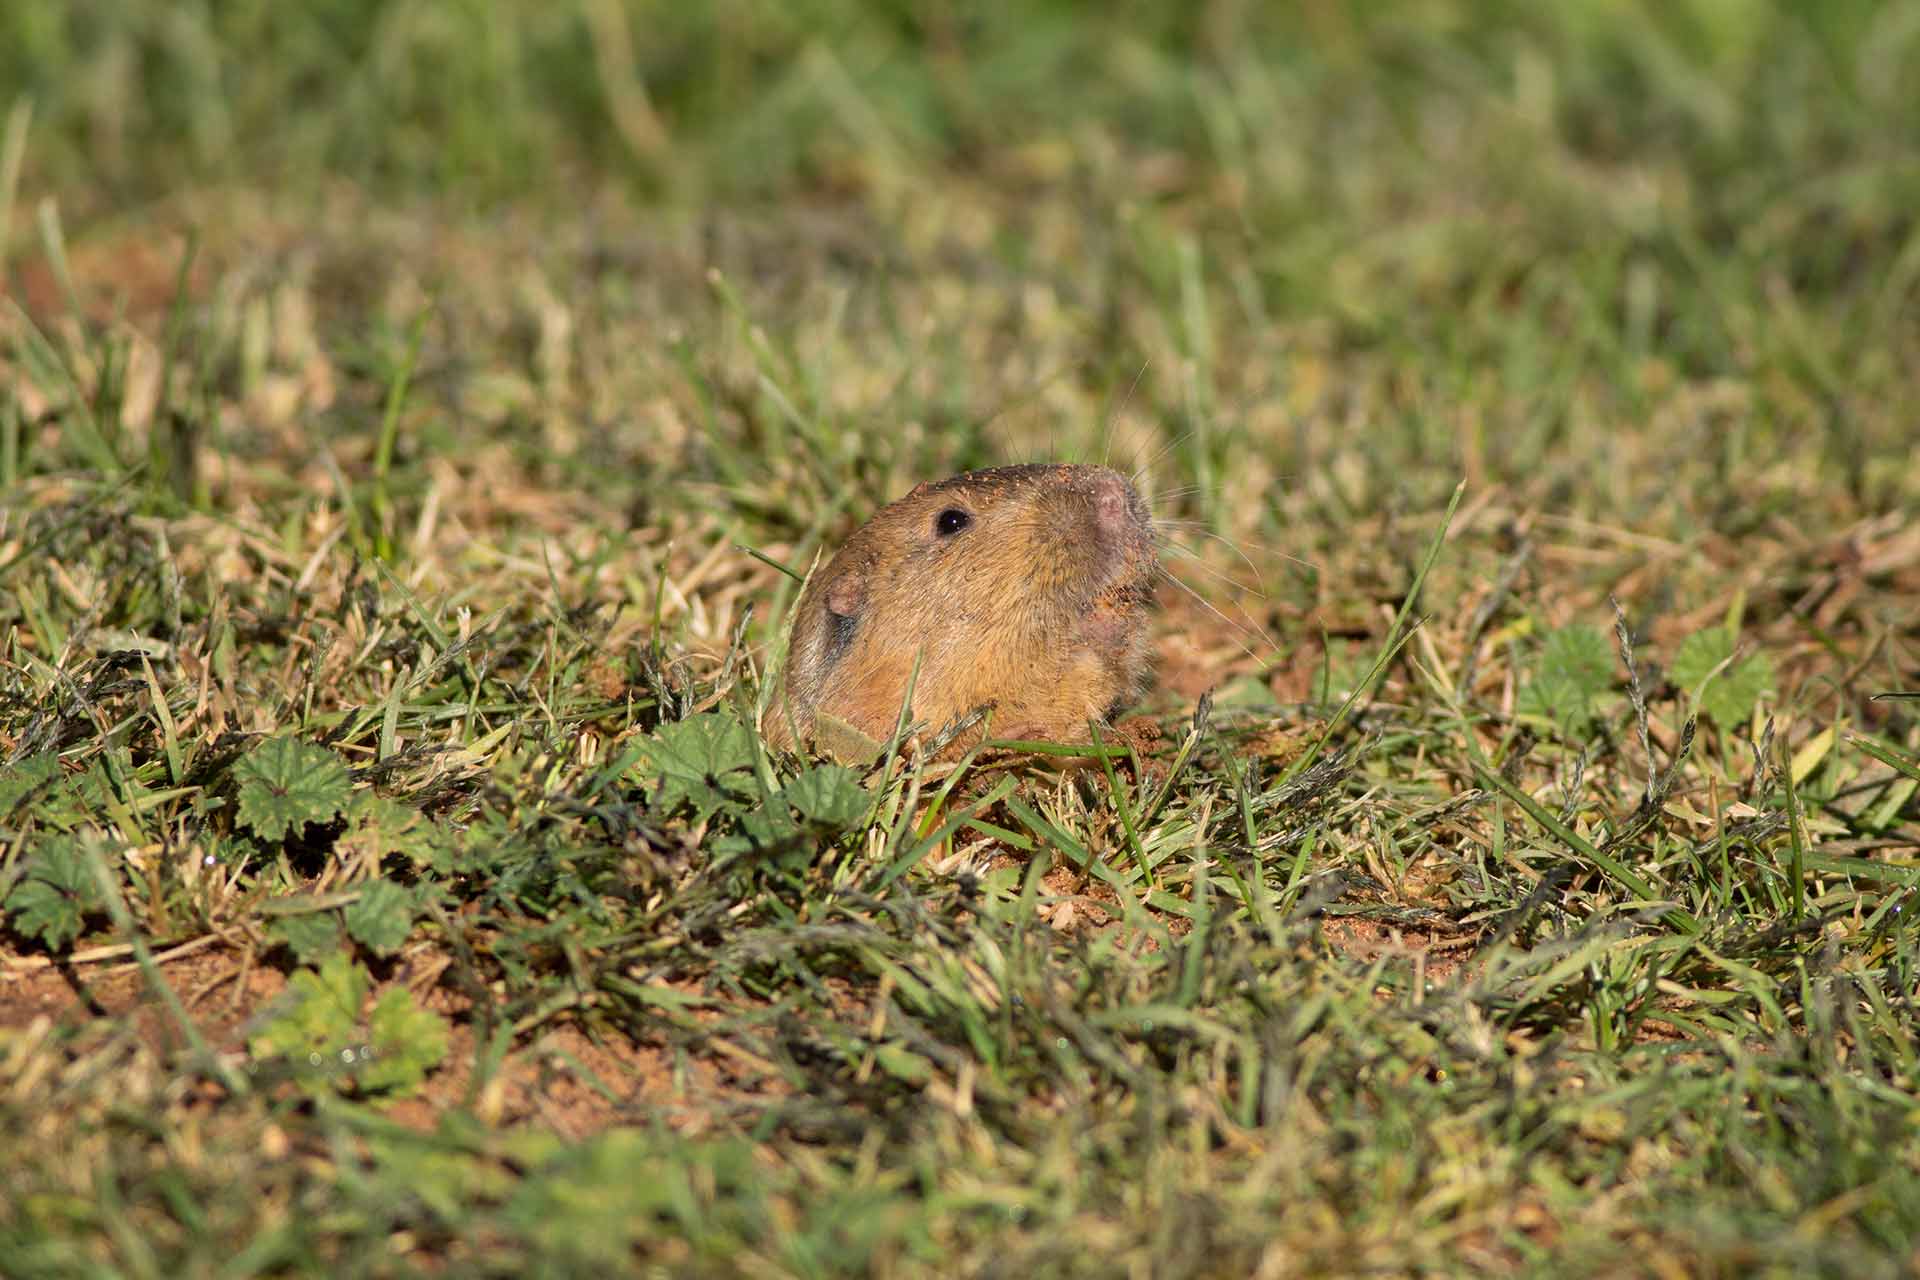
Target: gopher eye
{"type": "Point", "coordinates": [951, 521]}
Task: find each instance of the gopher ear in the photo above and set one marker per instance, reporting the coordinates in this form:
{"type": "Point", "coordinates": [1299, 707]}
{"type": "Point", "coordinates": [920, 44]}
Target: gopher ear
{"type": "Point", "coordinates": [845, 595]}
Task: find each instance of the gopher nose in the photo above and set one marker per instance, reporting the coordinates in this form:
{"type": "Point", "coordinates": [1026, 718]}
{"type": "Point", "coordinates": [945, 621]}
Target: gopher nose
{"type": "Point", "coordinates": [1111, 505]}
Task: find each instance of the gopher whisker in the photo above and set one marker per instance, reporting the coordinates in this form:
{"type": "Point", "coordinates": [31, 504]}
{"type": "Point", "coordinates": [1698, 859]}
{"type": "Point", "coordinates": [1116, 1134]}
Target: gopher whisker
{"type": "Point", "coordinates": [1242, 628]}
{"type": "Point", "coordinates": [1106, 447]}
{"type": "Point", "coordinates": [1176, 495]}
{"type": "Point", "coordinates": [1139, 472]}
{"type": "Point", "coordinates": [1257, 587]}
{"type": "Point", "coordinates": [1238, 545]}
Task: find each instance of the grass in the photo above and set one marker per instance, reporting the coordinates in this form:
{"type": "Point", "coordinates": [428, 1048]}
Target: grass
{"type": "Point", "coordinates": [407, 415]}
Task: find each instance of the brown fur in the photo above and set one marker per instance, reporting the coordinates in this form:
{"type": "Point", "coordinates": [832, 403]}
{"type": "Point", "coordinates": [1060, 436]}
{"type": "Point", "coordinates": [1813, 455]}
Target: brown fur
{"type": "Point", "coordinates": [1037, 608]}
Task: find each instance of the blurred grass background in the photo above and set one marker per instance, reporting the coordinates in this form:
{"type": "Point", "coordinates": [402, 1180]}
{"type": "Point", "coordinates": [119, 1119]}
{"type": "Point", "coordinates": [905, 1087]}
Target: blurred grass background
{"type": "Point", "coordinates": [1589, 206]}
{"type": "Point", "coordinates": [1781, 134]}
{"type": "Point", "coordinates": [741, 100]}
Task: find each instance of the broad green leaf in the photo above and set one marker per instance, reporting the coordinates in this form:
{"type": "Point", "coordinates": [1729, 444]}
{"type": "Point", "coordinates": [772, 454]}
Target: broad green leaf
{"type": "Point", "coordinates": [828, 794]}
{"type": "Point", "coordinates": [311, 938]}
{"type": "Point", "coordinates": [91, 791]}
{"type": "Point", "coordinates": [319, 1026]}
{"type": "Point", "coordinates": [379, 827]}
{"type": "Point", "coordinates": [53, 899]}
{"type": "Point", "coordinates": [18, 781]}
{"type": "Point", "coordinates": [1575, 667]}
{"type": "Point", "coordinates": [696, 759]}
{"type": "Point", "coordinates": [286, 784]}
{"type": "Point", "coordinates": [321, 1013]}
{"type": "Point", "coordinates": [381, 917]}
{"type": "Point", "coordinates": [701, 746]}
{"type": "Point", "coordinates": [407, 1043]}
{"type": "Point", "coordinates": [764, 827]}
{"type": "Point", "coordinates": [1730, 696]}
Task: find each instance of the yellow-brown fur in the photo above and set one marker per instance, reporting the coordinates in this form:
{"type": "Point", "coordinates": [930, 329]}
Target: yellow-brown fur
{"type": "Point", "coordinates": [1035, 607]}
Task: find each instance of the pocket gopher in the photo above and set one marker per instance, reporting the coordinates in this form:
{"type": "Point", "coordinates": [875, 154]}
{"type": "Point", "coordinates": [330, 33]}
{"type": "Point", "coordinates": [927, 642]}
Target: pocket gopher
{"type": "Point", "coordinates": [1021, 589]}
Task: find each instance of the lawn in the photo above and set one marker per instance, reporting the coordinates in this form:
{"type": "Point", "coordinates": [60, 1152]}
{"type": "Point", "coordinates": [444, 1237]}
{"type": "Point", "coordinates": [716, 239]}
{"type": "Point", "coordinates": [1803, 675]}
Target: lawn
{"type": "Point", "coordinates": [416, 420]}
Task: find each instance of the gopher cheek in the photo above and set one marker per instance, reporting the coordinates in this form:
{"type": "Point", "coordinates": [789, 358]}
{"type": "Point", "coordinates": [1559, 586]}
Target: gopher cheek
{"type": "Point", "coordinates": [1109, 628]}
